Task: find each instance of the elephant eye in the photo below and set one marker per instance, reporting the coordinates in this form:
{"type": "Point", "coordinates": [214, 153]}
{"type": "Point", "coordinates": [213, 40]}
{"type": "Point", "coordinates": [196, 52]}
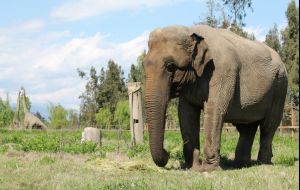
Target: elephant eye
{"type": "Point", "coordinates": [171, 67]}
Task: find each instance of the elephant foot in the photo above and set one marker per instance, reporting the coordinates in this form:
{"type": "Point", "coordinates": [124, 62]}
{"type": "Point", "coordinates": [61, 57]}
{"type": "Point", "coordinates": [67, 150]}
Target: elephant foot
{"type": "Point", "coordinates": [242, 163]}
{"type": "Point", "coordinates": [185, 166]}
{"type": "Point", "coordinates": [264, 158]}
{"type": "Point", "coordinates": [196, 166]}
{"type": "Point", "coordinates": [266, 162]}
{"type": "Point", "coordinates": [209, 168]}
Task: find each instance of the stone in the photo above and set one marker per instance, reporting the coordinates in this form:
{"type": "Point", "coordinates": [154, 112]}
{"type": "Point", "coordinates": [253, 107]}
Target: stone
{"type": "Point", "coordinates": [91, 134]}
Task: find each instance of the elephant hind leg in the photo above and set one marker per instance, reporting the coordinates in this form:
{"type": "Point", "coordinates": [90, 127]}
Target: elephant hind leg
{"type": "Point", "coordinates": [267, 132]}
{"type": "Point", "coordinates": [244, 146]}
{"type": "Point", "coordinates": [271, 122]}
{"type": "Point", "coordinates": [265, 149]}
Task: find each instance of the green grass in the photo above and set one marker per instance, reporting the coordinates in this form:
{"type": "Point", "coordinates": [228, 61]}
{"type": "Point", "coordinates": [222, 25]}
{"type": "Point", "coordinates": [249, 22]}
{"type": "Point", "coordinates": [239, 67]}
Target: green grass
{"type": "Point", "coordinates": [57, 160]}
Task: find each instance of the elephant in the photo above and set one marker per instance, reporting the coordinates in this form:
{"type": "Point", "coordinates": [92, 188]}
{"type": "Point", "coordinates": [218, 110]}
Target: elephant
{"type": "Point", "coordinates": [229, 78]}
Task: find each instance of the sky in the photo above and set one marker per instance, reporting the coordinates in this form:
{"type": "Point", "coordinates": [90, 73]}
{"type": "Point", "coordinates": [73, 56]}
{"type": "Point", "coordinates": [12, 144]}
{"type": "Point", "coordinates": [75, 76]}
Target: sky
{"type": "Point", "coordinates": [42, 43]}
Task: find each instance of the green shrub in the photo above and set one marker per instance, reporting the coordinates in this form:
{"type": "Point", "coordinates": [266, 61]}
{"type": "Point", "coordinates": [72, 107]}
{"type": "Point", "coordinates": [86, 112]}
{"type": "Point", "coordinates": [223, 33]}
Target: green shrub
{"type": "Point", "coordinates": [177, 153]}
{"type": "Point", "coordinates": [138, 150]}
{"type": "Point", "coordinates": [284, 160]}
{"type": "Point", "coordinates": [41, 141]}
{"type": "Point", "coordinates": [41, 144]}
{"type": "Point", "coordinates": [85, 147]}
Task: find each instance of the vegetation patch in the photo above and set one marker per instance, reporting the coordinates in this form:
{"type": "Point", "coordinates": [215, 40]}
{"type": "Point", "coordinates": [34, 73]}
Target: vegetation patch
{"type": "Point", "coordinates": [115, 165]}
{"type": "Point", "coordinates": [47, 160]}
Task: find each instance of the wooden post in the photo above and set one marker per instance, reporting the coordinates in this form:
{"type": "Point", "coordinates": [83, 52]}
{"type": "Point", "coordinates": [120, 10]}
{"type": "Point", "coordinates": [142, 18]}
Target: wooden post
{"type": "Point", "coordinates": [136, 114]}
{"type": "Point", "coordinates": [280, 127]}
{"type": "Point", "coordinates": [118, 139]}
{"type": "Point", "coordinates": [293, 119]}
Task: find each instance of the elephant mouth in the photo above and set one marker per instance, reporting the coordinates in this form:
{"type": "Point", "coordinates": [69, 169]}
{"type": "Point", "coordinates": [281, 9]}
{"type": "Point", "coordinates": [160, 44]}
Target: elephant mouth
{"type": "Point", "coordinates": [175, 90]}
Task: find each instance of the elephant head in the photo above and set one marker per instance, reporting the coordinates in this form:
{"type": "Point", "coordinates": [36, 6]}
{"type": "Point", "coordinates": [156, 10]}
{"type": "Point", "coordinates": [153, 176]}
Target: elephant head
{"type": "Point", "coordinates": [175, 58]}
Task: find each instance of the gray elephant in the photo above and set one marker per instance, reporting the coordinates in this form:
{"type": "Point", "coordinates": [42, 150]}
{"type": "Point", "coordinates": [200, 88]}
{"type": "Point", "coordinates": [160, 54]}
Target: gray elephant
{"type": "Point", "coordinates": [230, 78]}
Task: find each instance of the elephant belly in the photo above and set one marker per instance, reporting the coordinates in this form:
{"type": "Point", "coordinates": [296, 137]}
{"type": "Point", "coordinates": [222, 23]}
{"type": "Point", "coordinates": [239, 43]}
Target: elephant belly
{"type": "Point", "coordinates": [247, 114]}
{"type": "Point", "coordinates": [253, 92]}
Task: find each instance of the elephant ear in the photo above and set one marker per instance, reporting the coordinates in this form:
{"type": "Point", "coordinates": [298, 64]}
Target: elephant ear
{"type": "Point", "coordinates": [200, 54]}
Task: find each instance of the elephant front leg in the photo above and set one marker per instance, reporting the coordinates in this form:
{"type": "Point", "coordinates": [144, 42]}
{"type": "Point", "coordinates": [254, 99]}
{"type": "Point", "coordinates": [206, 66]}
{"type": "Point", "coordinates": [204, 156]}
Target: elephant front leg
{"type": "Point", "coordinates": [189, 118]}
{"type": "Point", "coordinates": [215, 108]}
{"type": "Point", "coordinates": [213, 122]}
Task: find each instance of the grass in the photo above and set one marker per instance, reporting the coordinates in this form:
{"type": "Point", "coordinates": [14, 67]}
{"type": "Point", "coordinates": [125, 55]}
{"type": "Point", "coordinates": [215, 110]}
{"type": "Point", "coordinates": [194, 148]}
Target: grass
{"type": "Point", "coordinates": [115, 165]}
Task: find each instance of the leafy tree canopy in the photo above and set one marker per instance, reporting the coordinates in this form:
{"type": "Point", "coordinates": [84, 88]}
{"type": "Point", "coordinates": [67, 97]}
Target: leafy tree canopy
{"type": "Point", "coordinates": [57, 116]}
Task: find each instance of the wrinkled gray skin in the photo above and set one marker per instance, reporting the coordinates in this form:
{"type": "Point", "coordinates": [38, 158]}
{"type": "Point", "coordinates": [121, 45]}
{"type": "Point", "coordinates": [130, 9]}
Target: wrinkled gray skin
{"type": "Point", "coordinates": [230, 78]}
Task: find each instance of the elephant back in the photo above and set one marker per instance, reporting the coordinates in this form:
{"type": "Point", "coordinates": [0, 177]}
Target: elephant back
{"type": "Point", "coordinates": [226, 45]}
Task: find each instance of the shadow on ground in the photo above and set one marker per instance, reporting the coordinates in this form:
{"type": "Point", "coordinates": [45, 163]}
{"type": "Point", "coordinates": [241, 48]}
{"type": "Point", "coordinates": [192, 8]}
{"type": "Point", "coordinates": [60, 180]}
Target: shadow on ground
{"type": "Point", "coordinates": [229, 164]}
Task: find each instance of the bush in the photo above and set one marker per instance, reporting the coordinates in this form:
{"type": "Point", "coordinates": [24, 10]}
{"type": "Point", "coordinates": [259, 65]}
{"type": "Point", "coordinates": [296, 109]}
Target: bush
{"type": "Point", "coordinates": [85, 147]}
{"type": "Point", "coordinates": [284, 160]}
{"type": "Point", "coordinates": [122, 114]}
{"type": "Point", "coordinates": [40, 141]}
{"type": "Point", "coordinates": [138, 150]}
{"type": "Point", "coordinates": [58, 116]}
{"type": "Point", "coordinates": [103, 117]}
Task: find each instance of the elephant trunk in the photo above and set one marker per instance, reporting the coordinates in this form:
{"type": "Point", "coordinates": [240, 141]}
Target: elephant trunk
{"type": "Point", "coordinates": [156, 105]}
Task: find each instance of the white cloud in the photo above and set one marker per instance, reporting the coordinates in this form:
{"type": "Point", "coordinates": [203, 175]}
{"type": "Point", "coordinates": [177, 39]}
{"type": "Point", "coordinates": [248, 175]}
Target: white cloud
{"type": "Point", "coordinates": [52, 36]}
{"type": "Point", "coordinates": [24, 27]}
{"type": "Point", "coordinates": [46, 67]}
{"type": "Point", "coordinates": [258, 31]}
{"type": "Point", "coordinates": [76, 10]}
{"type": "Point", "coordinates": [63, 96]}
{"type": "Point", "coordinates": [32, 25]}
{"type": "Point", "coordinates": [84, 51]}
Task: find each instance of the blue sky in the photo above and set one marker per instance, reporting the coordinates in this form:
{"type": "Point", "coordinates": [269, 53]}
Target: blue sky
{"type": "Point", "coordinates": [42, 43]}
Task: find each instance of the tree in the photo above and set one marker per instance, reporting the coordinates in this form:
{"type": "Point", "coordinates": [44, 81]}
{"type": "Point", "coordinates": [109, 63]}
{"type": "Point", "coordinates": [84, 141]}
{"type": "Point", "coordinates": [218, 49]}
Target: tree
{"type": "Point", "coordinates": [137, 71]}
{"type": "Point", "coordinates": [139, 74]}
{"type": "Point", "coordinates": [104, 117]}
{"type": "Point", "coordinates": [239, 31]}
{"type": "Point", "coordinates": [72, 118]}
{"type": "Point", "coordinates": [112, 86]}
{"type": "Point", "coordinates": [210, 18]}
{"type": "Point", "coordinates": [272, 39]}
{"type": "Point", "coordinates": [102, 90]}
{"type": "Point", "coordinates": [6, 113]}
{"type": "Point", "coordinates": [224, 20]}
{"type": "Point", "coordinates": [57, 116]}
{"type": "Point", "coordinates": [290, 51]}
{"type": "Point", "coordinates": [122, 114]}
{"type": "Point", "coordinates": [238, 10]}
{"type": "Point", "coordinates": [133, 74]}
{"type": "Point", "coordinates": [89, 106]}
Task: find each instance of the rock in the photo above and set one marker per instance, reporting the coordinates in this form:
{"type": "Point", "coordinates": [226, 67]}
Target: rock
{"type": "Point", "coordinates": [91, 134]}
